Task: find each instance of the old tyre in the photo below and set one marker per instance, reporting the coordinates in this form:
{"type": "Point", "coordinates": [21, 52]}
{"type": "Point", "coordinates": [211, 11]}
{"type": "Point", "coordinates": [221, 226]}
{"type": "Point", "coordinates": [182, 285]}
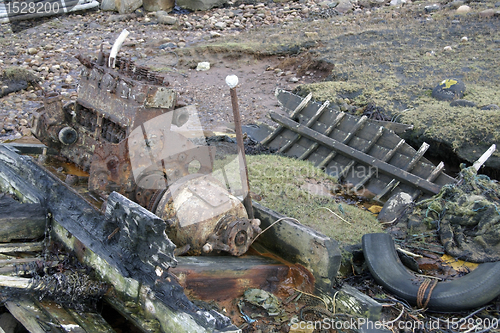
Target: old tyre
{"type": "Point", "coordinates": [475, 289]}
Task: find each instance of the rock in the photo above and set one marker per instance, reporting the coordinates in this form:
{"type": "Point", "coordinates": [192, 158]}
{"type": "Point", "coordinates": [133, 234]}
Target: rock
{"type": "Point", "coordinates": [313, 35]}
{"type": "Point", "coordinates": [127, 6]}
{"type": "Point", "coordinates": [169, 45]}
{"type": "Point", "coordinates": [195, 5]}
{"type": "Point", "coordinates": [464, 39]}
{"type": "Point", "coordinates": [397, 2]}
{"type": "Point", "coordinates": [432, 8]}
{"type": "Point", "coordinates": [203, 66]}
{"type": "Point", "coordinates": [32, 50]}
{"type": "Point", "coordinates": [108, 5]}
{"type": "Point", "coordinates": [23, 122]}
{"type": "Point", "coordinates": [491, 107]}
{"type": "Point", "coordinates": [448, 90]}
{"type": "Point", "coordinates": [164, 18]}
{"type": "Point", "coordinates": [463, 102]}
{"type": "Point", "coordinates": [214, 34]}
{"type": "Point", "coordinates": [487, 13]}
{"type": "Point", "coordinates": [294, 79]}
{"type": "Point", "coordinates": [448, 48]}
{"type": "Point", "coordinates": [220, 25]}
{"type": "Point", "coordinates": [344, 6]}
{"type": "Point", "coordinates": [156, 5]}
{"type": "Point", "coordinates": [464, 9]}
{"type": "Point", "coordinates": [394, 207]}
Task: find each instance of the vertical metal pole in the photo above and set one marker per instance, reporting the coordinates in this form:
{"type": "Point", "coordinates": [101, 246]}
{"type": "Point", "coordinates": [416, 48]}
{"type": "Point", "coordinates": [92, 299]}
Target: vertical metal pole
{"type": "Point", "coordinates": [232, 81]}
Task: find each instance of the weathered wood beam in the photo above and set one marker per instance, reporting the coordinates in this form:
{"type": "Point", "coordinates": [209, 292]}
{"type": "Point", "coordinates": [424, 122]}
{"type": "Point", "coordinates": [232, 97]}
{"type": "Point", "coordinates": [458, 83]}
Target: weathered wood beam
{"type": "Point", "coordinates": [34, 319]}
{"type": "Point", "coordinates": [81, 227]}
{"type": "Point", "coordinates": [294, 113]}
{"type": "Point", "coordinates": [297, 243]}
{"type": "Point", "coordinates": [20, 221]}
{"type": "Point", "coordinates": [21, 247]}
{"type": "Point", "coordinates": [361, 157]}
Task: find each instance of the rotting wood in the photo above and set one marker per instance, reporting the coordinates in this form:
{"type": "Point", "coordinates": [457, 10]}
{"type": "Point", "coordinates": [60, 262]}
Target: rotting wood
{"type": "Point", "coordinates": [393, 183]}
{"type": "Point", "coordinates": [361, 157]}
{"type": "Point", "coordinates": [81, 228]}
{"type": "Point", "coordinates": [20, 221]}
{"type": "Point", "coordinates": [434, 174]}
{"type": "Point", "coordinates": [372, 139]}
{"type": "Point", "coordinates": [21, 247]}
{"type": "Point", "coordinates": [131, 311]}
{"type": "Point", "coordinates": [346, 140]}
{"type": "Point", "coordinates": [386, 158]}
{"type": "Point", "coordinates": [327, 132]}
{"type": "Point", "coordinates": [34, 319]}
{"type": "Point", "coordinates": [308, 124]}
{"type": "Point", "coordinates": [294, 113]}
{"type": "Point", "coordinates": [477, 165]}
{"type": "Point", "coordinates": [365, 149]}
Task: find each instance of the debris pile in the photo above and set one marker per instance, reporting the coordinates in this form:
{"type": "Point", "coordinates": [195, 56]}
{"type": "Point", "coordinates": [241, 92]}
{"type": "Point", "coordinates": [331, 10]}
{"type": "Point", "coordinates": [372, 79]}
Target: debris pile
{"type": "Point", "coordinates": [467, 217]}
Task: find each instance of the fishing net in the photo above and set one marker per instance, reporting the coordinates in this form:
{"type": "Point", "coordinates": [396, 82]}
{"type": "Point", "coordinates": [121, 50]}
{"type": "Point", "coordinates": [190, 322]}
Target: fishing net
{"type": "Point", "coordinates": [467, 217]}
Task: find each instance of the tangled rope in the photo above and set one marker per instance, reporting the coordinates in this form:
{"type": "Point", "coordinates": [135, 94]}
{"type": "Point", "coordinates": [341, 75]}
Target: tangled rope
{"type": "Point", "coordinates": [427, 285]}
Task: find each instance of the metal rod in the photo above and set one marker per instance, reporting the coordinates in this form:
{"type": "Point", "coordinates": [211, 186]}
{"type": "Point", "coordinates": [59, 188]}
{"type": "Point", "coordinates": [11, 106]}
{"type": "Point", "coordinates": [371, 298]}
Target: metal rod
{"type": "Point", "coordinates": [232, 81]}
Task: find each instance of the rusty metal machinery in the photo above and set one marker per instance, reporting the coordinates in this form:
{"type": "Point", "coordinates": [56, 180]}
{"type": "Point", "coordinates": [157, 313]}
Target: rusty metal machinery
{"type": "Point", "coordinates": [122, 130]}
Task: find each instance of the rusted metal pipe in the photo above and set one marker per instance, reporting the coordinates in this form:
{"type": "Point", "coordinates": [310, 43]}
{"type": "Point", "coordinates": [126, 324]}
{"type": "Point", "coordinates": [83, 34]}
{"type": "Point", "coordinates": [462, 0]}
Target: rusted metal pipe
{"type": "Point", "coordinates": [232, 82]}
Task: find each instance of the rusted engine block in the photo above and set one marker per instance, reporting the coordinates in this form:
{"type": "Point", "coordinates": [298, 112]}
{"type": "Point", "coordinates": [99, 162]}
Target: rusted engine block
{"type": "Point", "coordinates": [122, 131]}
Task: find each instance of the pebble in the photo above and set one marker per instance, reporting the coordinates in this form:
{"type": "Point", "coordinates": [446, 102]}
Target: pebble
{"type": "Point", "coordinates": [487, 13]}
{"type": "Point", "coordinates": [220, 25]}
{"type": "Point", "coordinates": [432, 8]}
{"type": "Point", "coordinates": [32, 50]}
{"type": "Point", "coordinates": [203, 66]}
{"type": "Point", "coordinates": [464, 9]}
{"type": "Point", "coordinates": [448, 48]}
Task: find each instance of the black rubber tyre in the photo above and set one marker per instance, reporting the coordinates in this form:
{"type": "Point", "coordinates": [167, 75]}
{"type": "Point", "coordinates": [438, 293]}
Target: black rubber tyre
{"type": "Point", "coordinates": [473, 290]}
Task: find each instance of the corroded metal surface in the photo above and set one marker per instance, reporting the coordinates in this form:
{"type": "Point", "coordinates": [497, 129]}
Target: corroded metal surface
{"type": "Point", "coordinates": [125, 131]}
{"type": "Point", "coordinates": [202, 214]}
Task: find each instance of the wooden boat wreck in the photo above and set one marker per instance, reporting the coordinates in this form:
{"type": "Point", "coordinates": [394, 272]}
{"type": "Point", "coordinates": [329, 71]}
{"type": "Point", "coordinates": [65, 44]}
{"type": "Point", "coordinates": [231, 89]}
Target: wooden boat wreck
{"type": "Point", "coordinates": [368, 156]}
{"type": "Point", "coordinates": [115, 222]}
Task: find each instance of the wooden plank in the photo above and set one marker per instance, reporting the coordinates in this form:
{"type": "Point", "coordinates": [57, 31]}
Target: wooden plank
{"type": "Point", "coordinates": [34, 319]}
{"type": "Point", "coordinates": [309, 123]}
{"type": "Point", "coordinates": [60, 316]}
{"type": "Point", "coordinates": [21, 247]}
{"type": "Point", "coordinates": [386, 157]}
{"type": "Point", "coordinates": [91, 321]}
{"type": "Point", "coordinates": [394, 183]}
{"type": "Point", "coordinates": [294, 113]}
{"type": "Point", "coordinates": [132, 315]}
{"type": "Point", "coordinates": [327, 132]}
{"type": "Point", "coordinates": [365, 149]}
{"type": "Point", "coordinates": [435, 173]}
{"type": "Point", "coordinates": [346, 140]}
{"type": "Point", "coordinates": [20, 221]}
{"type": "Point", "coordinates": [361, 157]}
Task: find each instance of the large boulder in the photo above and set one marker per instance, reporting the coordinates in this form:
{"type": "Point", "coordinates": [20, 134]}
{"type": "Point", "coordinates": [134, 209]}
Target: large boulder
{"type": "Point", "coordinates": [200, 4]}
{"type": "Point", "coordinates": [127, 6]}
{"type": "Point", "coordinates": [108, 5]}
{"type": "Point", "coordinates": [156, 5]}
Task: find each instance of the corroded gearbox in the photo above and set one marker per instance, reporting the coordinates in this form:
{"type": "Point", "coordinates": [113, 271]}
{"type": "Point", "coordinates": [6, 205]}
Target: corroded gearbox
{"type": "Point", "coordinates": [203, 215]}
